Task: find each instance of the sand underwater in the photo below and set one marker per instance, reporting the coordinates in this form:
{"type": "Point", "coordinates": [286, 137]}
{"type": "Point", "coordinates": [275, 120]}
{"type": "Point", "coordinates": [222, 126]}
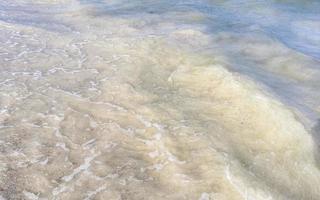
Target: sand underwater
{"type": "Point", "coordinates": [159, 100]}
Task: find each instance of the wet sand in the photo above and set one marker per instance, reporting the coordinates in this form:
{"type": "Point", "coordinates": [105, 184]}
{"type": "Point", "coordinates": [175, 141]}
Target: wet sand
{"type": "Point", "coordinates": [156, 100]}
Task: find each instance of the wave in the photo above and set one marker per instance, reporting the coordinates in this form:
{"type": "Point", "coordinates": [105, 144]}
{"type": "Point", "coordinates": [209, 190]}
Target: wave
{"type": "Point", "coordinates": [144, 106]}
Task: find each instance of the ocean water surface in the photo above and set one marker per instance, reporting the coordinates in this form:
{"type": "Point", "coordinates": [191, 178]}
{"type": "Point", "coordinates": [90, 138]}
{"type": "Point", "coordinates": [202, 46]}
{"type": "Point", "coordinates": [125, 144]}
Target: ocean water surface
{"type": "Point", "coordinates": [160, 99]}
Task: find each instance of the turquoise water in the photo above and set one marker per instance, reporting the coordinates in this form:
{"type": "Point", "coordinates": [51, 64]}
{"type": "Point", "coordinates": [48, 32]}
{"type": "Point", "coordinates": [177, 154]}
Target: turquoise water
{"type": "Point", "coordinates": [150, 99]}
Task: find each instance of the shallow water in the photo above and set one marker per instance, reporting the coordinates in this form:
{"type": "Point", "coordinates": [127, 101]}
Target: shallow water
{"type": "Point", "coordinates": [119, 99]}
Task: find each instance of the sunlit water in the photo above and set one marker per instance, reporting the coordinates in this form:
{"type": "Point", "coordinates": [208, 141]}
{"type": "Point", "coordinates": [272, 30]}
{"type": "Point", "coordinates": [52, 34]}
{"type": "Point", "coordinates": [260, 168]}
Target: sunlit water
{"type": "Point", "coordinates": [159, 99]}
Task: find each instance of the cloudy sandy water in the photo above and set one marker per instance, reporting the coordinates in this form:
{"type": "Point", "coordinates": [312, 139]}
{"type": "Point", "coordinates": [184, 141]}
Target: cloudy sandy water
{"type": "Point", "coordinates": [156, 100]}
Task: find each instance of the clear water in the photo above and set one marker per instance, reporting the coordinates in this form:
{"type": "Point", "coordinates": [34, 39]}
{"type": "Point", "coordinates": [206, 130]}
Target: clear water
{"type": "Point", "coordinates": [150, 99]}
